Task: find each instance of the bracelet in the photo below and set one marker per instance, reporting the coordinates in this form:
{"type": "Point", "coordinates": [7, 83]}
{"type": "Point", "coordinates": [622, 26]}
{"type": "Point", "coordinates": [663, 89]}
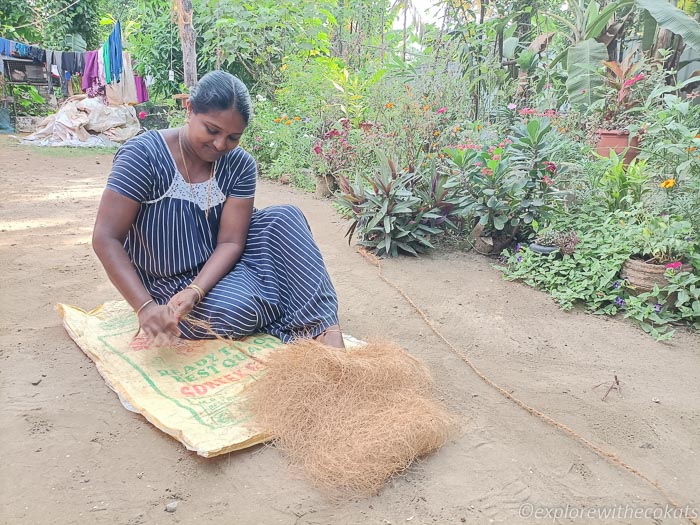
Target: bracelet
{"type": "Point", "coordinates": [144, 305]}
{"type": "Point", "coordinates": [198, 290]}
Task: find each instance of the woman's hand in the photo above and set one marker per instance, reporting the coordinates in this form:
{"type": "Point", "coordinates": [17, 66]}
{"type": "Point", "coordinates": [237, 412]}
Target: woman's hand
{"type": "Point", "coordinates": [159, 325]}
{"type": "Point", "coordinates": [182, 302]}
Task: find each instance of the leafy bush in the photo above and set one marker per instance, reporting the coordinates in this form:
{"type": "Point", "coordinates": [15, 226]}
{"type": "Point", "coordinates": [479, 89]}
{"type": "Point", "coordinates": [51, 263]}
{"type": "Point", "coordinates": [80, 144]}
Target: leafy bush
{"type": "Point", "coordinates": [676, 303]}
{"type": "Point", "coordinates": [397, 211]}
{"type": "Point", "coordinates": [622, 187]}
{"type": "Point", "coordinates": [591, 274]}
{"type": "Point", "coordinates": [281, 143]}
{"type": "Point", "coordinates": [585, 276]}
{"type": "Point", "coordinates": [510, 185]}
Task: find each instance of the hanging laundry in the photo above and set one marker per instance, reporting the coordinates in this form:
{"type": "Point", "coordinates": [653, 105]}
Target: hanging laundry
{"type": "Point", "coordinates": [53, 59]}
{"type": "Point", "coordinates": [79, 62]}
{"type": "Point", "coordinates": [114, 43]}
{"type": "Point", "coordinates": [20, 50]}
{"type": "Point", "coordinates": [101, 67]}
{"type": "Point", "coordinates": [128, 83]}
{"type": "Point", "coordinates": [4, 51]}
{"type": "Point", "coordinates": [91, 70]}
{"type": "Point", "coordinates": [141, 90]}
{"type": "Point", "coordinates": [5, 47]}
{"type": "Point", "coordinates": [37, 54]}
{"type": "Point", "coordinates": [70, 62]}
{"type": "Point", "coordinates": [105, 59]}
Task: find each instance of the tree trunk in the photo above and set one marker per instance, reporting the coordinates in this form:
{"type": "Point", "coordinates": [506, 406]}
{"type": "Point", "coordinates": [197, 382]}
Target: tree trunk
{"type": "Point", "coordinates": [189, 40]}
{"type": "Point", "coordinates": [382, 35]}
{"type": "Point", "coordinates": [405, 34]}
{"type": "Point", "coordinates": [663, 41]}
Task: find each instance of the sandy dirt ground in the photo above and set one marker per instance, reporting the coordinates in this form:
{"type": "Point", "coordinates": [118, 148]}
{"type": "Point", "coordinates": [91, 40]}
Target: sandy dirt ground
{"type": "Point", "coordinates": [70, 453]}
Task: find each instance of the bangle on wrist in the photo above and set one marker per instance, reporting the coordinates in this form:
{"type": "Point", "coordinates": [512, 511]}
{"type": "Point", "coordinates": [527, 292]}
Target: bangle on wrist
{"type": "Point", "coordinates": [200, 293]}
{"type": "Point", "coordinates": [144, 305]}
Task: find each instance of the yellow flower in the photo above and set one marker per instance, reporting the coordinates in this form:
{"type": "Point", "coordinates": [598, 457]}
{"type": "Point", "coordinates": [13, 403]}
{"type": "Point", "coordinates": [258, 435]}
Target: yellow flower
{"type": "Point", "coordinates": [697, 136]}
{"type": "Point", "coordinates": [284, 66]}
{"type": "Point", "coordinates": [297, 118]}
{"type": "Point", "coordinates": [426, 107]}
{"type": "Point", "coordinates": [668, 183]}
{"type": "Point", "coordinates": [479, 127]}
{"type": "Point", "coordinates": [278, 120]}
{"type": "Point", "coordinates": [458, 129]}
{"type": "Point", "coordinates": [284, 117]}
{"type": "Point", "coordinates": [436, 133]}
{"type": "Point", "coordinates": [288, 122]}
{"type": "Point", "coordinates": [690, 149]}
{"type": "Point", "coordinates": [389, 105]}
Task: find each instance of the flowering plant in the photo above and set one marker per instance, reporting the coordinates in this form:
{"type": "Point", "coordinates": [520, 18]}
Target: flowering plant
{"type": "Point", "coordinates": [510, 185]}
{"type": "Point", "coordinates": [334, 150]}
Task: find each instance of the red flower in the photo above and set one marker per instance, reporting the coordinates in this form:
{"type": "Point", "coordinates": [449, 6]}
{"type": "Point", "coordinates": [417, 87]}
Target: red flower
{"type": "Point", "coordinates": [441, 111]}
{"type": "Point", "coordinates": [674, 265]}
{"type": "Point", "coordinates": [550, 166]}
{"type": "Point", "coordinates": [318, 150]}
{"type": "Point", "coordinates": [142, 115]}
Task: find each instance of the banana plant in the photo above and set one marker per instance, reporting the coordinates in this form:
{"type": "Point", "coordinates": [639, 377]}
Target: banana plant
{"type": "Point", "coordinates": [588, 22]}
{"type": "Point", "coordinates": [669, 17]}
{"type": "Point", "coordinates": [584, 79]}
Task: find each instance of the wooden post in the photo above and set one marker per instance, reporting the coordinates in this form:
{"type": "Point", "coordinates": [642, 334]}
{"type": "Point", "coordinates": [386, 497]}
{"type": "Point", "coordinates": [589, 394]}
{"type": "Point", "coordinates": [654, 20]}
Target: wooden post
{"type": "Point", "coordinates": [188, 38]}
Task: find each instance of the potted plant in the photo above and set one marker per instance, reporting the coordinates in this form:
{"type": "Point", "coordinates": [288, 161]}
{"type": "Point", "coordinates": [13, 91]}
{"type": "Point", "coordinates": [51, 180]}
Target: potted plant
{"type": "Point", "coordinates": [545, 242]}
{"type": "Point", "coordinates": [665, 244]}
{"type": "Point", "coordinates": [613, 109]}
{"type": "Point", "coordinates": [550, 241]}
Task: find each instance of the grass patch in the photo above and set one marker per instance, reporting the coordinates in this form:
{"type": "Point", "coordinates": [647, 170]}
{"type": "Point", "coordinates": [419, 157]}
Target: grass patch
{"type": "Point", "coordinates": [11, 141]}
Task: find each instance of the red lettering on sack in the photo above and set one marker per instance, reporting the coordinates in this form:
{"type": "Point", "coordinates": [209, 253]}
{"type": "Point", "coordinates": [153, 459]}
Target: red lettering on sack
{"type": "Point", "coordinates": [201, 389]}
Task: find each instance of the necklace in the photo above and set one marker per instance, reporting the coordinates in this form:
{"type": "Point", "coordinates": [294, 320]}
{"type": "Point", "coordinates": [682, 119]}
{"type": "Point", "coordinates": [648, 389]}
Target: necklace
{"type": "Point", "coordinates": [189, 180]}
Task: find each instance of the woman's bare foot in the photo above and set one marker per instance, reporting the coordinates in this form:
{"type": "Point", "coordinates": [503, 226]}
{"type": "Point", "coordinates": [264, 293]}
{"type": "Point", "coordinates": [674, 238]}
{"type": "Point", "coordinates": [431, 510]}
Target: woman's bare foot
{"type": "Point", "coordinates": [331, 336]}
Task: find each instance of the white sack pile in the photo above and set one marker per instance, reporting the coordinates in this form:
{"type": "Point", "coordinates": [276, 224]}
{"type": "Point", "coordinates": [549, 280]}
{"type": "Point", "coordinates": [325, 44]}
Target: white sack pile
{"type": "Point", "coordinates": [86, 122]}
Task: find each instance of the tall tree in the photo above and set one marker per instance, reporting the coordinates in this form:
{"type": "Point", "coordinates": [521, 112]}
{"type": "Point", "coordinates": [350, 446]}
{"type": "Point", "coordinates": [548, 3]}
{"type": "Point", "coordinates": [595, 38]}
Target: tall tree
{"type": "Point", "coordinates": [188, 36]}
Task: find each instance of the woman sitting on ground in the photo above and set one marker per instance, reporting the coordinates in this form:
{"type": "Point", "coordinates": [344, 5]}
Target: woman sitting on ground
{"type": "Point", "coordinates": [179, 237]}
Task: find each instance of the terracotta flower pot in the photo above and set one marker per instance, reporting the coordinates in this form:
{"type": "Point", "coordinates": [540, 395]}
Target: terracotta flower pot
{"type": "Point", "coordinates": [643, 275]}
{"type": "Point", "coordinates": [618, 141]}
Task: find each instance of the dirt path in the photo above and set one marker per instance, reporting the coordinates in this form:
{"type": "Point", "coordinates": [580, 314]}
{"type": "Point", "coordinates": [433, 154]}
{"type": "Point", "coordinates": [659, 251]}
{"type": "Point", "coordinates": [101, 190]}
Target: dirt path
{"type": "Point", "coordinates": [71, 454]}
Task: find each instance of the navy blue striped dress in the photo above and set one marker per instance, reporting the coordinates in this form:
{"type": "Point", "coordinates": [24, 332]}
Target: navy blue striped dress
{"type": "Point", "coordinates": [280, 285]}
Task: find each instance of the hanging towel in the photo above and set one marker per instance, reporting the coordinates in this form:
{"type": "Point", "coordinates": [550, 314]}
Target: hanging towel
{"type": "Point", "coordinates": [4, 47]}
{"type": "Point", "coordinates": [20, 50]}
{"type": "Point", "coordinates": [141, 90]}
{"type": "Point", "coordinates": [37, 54]}
{"type": "Point", "coordinates": [79, 62]}
{"type": "Point", "coordinates": [5, 51]}
{"type": "Point", "coordinates": [91, 71]}
{"type": "Point", "coordinates": [115, 52]}
{"type": "Point", "coordinates": [128, 83]}
{"type": "Point", "coordinates": [105, 59]}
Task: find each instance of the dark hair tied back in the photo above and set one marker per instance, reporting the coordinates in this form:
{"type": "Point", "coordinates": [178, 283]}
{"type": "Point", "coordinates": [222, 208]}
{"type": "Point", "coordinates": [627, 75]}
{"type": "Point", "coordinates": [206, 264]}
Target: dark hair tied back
{"type": "Point", "coordinates": [219, 90]}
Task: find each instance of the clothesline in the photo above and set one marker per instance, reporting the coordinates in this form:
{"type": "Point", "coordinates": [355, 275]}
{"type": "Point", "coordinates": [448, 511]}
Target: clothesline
{"type": "Point", "coordinates": [106, 72]}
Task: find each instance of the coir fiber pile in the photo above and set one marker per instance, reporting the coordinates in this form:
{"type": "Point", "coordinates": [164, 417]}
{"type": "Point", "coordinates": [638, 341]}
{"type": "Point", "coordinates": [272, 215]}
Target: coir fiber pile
{"type": "Point", "coordinates": [350, 419]}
